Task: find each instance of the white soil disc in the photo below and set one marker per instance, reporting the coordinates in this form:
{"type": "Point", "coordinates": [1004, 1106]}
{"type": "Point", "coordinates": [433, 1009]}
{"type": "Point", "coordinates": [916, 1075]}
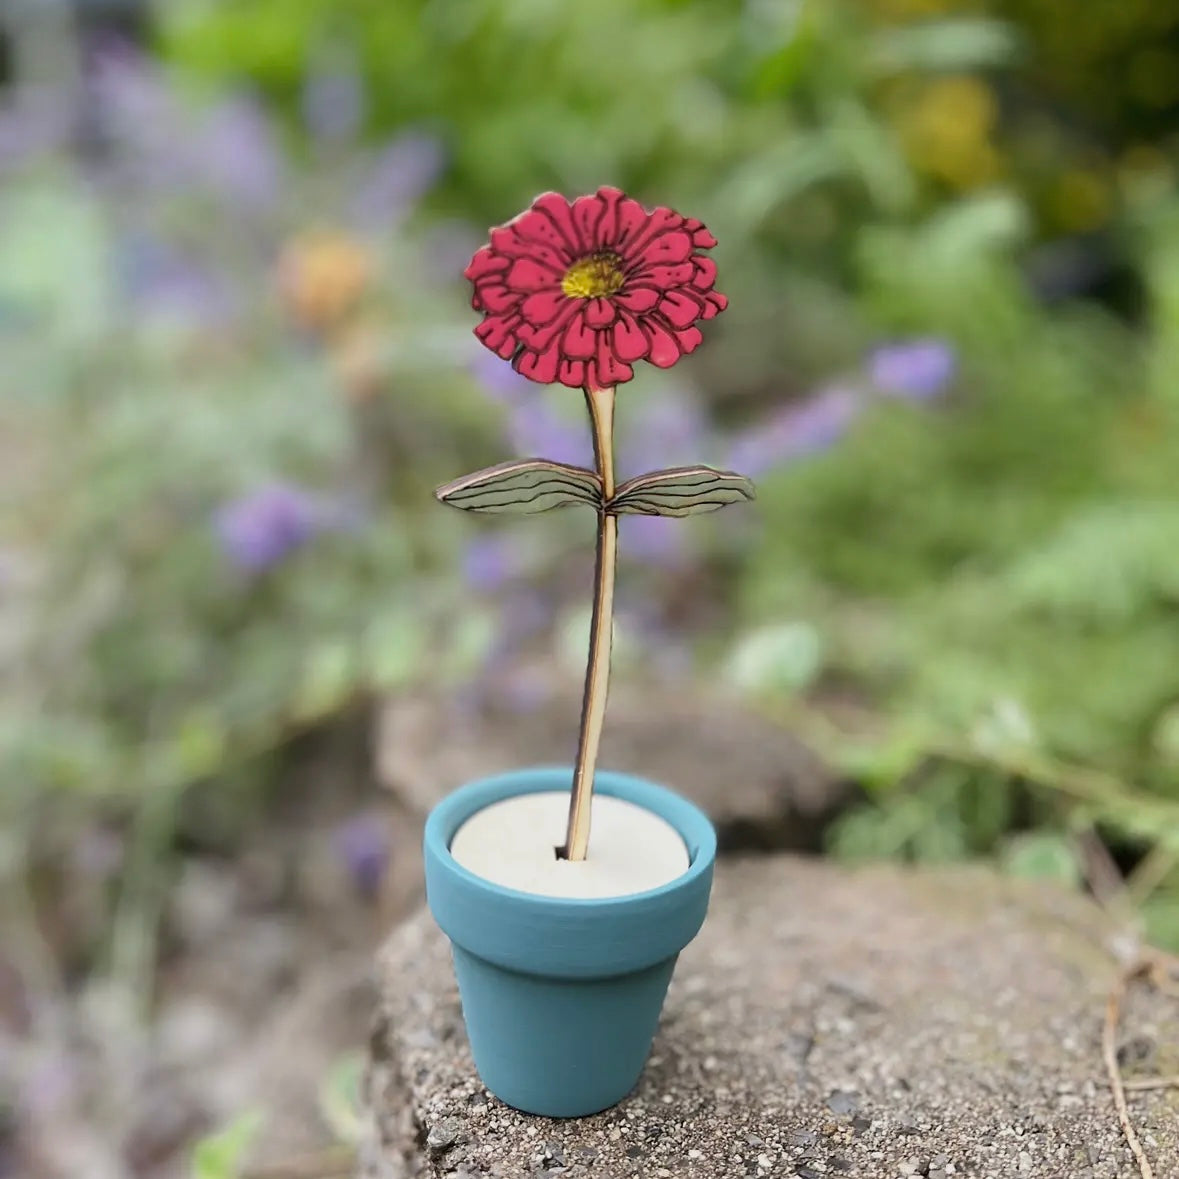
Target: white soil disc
{"type": "Point", "coordinates": [513, 843]}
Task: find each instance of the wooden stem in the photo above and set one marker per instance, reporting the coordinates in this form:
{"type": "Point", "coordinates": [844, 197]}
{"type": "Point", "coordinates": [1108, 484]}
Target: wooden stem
{"type": "Point", "coordinates": [597, 672]}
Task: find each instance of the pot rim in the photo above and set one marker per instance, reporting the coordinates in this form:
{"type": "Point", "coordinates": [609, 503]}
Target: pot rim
{"type": "Point", "coordinates": [567, 937]}
{"type": "Point", "coordinates": [688, 820]}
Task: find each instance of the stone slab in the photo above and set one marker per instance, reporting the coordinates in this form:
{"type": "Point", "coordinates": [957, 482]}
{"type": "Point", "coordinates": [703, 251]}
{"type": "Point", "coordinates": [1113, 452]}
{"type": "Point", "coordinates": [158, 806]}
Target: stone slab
{"type": "Point", "coordinates": [826, 1022]}
{"type": "Point", "coordinates": [762, 787]}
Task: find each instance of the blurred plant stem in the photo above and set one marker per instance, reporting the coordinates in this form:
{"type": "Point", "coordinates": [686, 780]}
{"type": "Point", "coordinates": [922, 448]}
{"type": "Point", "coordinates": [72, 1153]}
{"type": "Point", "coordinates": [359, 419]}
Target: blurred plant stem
{"type": "Point", "coordinates": [1110, 798]}
{"type": "Point", "coordinates": [135, 931]}
{"type": "Point", "coordinates": [33, 956]}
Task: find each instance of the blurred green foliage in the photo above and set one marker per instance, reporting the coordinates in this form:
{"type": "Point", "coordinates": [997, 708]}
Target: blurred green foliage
{"type": "Point", "coordinates": [972, 605]}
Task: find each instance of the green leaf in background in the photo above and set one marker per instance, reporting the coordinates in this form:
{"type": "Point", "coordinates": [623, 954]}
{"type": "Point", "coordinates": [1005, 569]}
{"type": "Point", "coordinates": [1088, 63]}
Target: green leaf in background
{"type": "Point", "coordinates": [787, 657]}
{"type": "Point", "coordinates": [1161, 918]}
{"type": "Point", "coordinates": [1042, 855]}
{"type": "Point", "coordinates": [329, 679]}
{"type": "Point", "coordinates": [54, 259]}
{"type": "Point", "coordinates": [394, 650]}
{"type": "Point", "coordinates": [339, 1097]}
{"type": "Point", "coordinates": [220, 1155]}
{"type": "Point", "coordinates": [1004, 729]}
{"type": "Point", "coordinates": [957, 44]}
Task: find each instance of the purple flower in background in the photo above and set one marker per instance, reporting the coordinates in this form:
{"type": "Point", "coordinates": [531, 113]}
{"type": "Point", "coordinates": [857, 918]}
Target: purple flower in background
{"type": "Point", "coordinates": [534, 431]}
{"type": "Point", "coordinates": [798, 430]}
{"type": "Point", "coordinates": [447, 247]}
{"type": "Point", "coordinates": [403, 173]}
{"type": "Point", "coordinates": [36, 120]}
{"type": "Point", "coordinates": [161, 279]}
{"type": "Point", "coordinates": [263, 527]}
{"type": "Point", "coordinates": [362, 843]}
{"type": "Point", "coordinates": [50, 1087]}
{"type": "Point", "coordinates": [914, 369]}
{"type": "Point", "coordinates": [657, 540]}
{"type": "Point", "coordinates": [526, 613]}
{"type": "Point", "coordinates": [489, 562]}
{"type": "Point", "coordinates": [237, 154]}
{"type": "Point", "coordinates": [664, 432]}
{"type": "Point", "coordinates": [129, 102]}
{"type": "Point", "coordinates": [333, 96]}
{"type": "Point", "coordinates": [498, 377]}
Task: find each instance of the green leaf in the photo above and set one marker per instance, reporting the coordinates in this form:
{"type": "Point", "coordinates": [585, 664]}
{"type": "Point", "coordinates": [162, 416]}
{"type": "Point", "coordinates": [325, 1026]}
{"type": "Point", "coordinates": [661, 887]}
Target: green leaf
{"type": "Point", "coordinates": [523, 487]}
{"type": "Point", "coordinates": [955, 44]}
{"type": "Point", "coordinates": [1042, 855]}
{"type": "Point", "coordinates": [329, 678]}
{"type": "Point", "coordinates": [681, 491]}
{"type": "Point", "coordinates": [394, 649]}
{"type": "Point", "coordinates": [339, 1097]}
{"type": "Point", "coordinates": [783, 658]}
{"type": "Point", "coordinates": [219, 1156]}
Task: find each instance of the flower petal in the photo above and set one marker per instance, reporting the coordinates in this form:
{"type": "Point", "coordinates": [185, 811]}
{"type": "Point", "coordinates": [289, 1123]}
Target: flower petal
{"type": "Point", "coordinates": [539, 366]}
{"type": "Point", "coordinates": [498, 332]}
{"type": "Point", "coordinates": [504, 240]}
{"type": "Point", "coordinates": [543, 307]}
{"type": "Point", "coordinates": [537, 339]}
{"type": "Point", "coordinates": [679, 308]}
{"type": "Point", "coordinates": [659, 221]}
{"type": "Point", "coordinates": [665, 351]}
{"type": "Point", "coordinates": [494, 297]}
{"type": "Point", "coordinates": [607, 368]}
{"type": "Point", "coordinates": [534, 226]}
{"type": "Point", "coordinates": [714, 304]}
{"type": "Point", "coordinates": [599, 313]}
{"type": "Point", "coordinates": [701, 238]}
{"type": "Point", "coordinates": [486, 261]}
{"type": "Point", "coordinates": [557, 209]}
{"type": "Point", "coordinates": [689, 339]}
{"type": "Point", "coordinates": [587, 213]}
{"type": "Point", "coordinates": [572, 373]}
{"type": "Point", "coordinates": [528, 275]}
{"type": "Point", "coordinates": [637, 298]}
{"type": "Point", "coordinates": [623, 222]}
{"type": "Point", "coordinates": [705, 275]}
{"type": "Point", "coordinates": [664, 277]}
{"type": "Point", "coordinates": [579, 340]}
{"type": "Point", "coordinates": [609, 228]}
{"type": "Point", "coordinates": [630, 344]}
{"type": "Point", "coordinates": [667, 249]}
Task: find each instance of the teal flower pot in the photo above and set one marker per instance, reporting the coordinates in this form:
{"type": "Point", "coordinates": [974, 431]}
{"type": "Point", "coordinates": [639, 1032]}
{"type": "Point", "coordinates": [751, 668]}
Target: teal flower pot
{"type": "Point", "coordinates": [562, 997]}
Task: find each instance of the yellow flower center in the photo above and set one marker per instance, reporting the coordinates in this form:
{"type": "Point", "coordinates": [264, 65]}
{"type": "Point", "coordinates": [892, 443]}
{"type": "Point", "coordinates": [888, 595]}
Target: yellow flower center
{"type": "Point", "coordinates": [594, 276]}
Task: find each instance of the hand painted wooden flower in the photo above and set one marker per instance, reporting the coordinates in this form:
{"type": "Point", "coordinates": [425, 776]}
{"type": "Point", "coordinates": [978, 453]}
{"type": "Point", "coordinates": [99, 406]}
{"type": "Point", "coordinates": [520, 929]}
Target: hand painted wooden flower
{"type": "Point", "coordinates": [576, 292]}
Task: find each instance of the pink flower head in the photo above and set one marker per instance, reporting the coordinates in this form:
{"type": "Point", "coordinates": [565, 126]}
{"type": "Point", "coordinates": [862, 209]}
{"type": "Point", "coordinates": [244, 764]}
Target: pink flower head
{"type": "Point", "coordinates": [576, 292]}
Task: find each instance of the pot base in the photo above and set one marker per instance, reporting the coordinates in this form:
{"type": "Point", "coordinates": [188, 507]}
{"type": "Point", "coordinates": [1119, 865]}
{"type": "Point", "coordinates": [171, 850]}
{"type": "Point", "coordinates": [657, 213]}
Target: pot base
{"type": "Point", "coordinates": [561, 1051]}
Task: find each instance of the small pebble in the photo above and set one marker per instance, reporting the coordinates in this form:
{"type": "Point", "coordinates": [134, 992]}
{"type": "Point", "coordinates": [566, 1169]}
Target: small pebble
{"type": "Point", "coordinates": [842, 1102]}
{"type": "Point", "coordinates": [443, 1134]}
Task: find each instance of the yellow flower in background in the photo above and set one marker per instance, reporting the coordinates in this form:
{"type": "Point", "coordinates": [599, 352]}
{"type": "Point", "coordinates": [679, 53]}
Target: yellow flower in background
{"type": "Point", "coordinates": [1081, 200]}
{"type": "Point", "coordinates": [322, 275]}
{"type": "Point", "coordinates": [946, 127]}
{"type": "Point", "coordinates": [358, 360]}
{"type": "Point", "coordinates": [1145, 173]}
